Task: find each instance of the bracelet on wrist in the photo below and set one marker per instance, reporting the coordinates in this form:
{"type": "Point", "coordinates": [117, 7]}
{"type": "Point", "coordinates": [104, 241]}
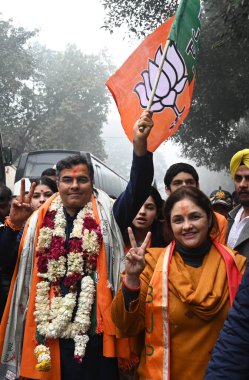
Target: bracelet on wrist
{"type": "Point", "coordinates": [129, 287]}
{"type": "Point", "coordinates": [11, 225]}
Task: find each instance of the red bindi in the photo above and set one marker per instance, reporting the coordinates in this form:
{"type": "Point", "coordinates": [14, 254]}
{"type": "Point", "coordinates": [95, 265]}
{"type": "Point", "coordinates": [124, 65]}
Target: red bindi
{"type": "Point", "coordinates": [75, 170]}
{"type": "Point", "coordinates": [184, 209]}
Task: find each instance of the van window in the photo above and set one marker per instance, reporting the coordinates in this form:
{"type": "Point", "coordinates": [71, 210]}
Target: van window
{"type": "Point", "coordinates": [38, 162]}
{"type": "Point", "coordinates": [108, 181]}
{"type": "Point", "coordinates": [98, 182]}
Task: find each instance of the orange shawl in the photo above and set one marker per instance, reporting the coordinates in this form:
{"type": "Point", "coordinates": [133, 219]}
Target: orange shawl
{"type": "Point", "coordinates": [217, 283]}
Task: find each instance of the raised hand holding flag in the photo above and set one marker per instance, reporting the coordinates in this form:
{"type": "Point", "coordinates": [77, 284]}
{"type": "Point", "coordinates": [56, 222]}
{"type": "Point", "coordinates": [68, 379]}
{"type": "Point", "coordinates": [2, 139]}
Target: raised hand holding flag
{"type": "Point", "coordinates": [168, 76]}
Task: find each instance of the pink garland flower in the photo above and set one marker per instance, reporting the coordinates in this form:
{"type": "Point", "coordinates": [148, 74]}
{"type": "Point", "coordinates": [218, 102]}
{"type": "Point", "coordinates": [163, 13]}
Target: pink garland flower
{"type": "Point", "coordinates": [72, 279]}
{"type": "Point", "coordinates": [49, 219]}
{"type": "Point", "coordinates": [57, 248]}
{"type": "Point", "coordinates": [99, 234]}
{"type": "Point", "coordinates": [90, 223]}
{"type": "Point", "coordinates": [75, 245]}
{"type": "Point", "coordinates": [42, 264]}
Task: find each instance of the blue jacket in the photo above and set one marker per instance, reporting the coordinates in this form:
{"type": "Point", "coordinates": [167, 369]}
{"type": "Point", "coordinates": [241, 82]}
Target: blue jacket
{"type": "Point", "coordinates": [137, 191]}
{"type": "Point", "coordinates": [9, 241]}
{"type": "Point", "coordinates": [230, 356]}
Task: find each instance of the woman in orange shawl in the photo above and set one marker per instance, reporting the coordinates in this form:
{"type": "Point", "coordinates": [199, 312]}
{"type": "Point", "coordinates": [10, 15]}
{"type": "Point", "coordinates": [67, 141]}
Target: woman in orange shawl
{"type": "Point", "coordinates": [179, 296]}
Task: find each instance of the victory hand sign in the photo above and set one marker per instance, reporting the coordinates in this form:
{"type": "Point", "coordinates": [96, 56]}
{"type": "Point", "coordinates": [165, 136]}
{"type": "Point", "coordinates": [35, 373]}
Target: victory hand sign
{"type": "Point", "coordinates": [21, 208]}
{"type": "Point", "coordinates": [134, 260]}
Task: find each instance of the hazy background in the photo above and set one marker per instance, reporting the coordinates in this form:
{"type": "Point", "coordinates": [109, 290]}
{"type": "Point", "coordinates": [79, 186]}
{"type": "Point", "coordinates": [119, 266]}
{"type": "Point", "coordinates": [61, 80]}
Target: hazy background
{"type": "Point", "coordinates": [79, 22]}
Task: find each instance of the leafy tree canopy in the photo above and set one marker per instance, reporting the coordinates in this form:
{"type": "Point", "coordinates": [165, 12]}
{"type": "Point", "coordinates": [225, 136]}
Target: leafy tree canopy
{"type": "Point", "coordinates": [50, 99]}
{"type": "Point", "coordinates": [141, 17]}
{"type": "Point", "coordinates": [74, 97]}
{"type": "Point", "coordinates": [212, 133]}
{"type": "Point", "coordinates": [16, 67]}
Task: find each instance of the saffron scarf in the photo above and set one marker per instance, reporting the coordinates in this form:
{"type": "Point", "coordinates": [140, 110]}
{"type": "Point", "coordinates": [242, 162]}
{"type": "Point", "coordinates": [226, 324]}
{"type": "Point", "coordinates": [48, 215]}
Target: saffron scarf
{"type": "Point", "coordinates": [157, 340]}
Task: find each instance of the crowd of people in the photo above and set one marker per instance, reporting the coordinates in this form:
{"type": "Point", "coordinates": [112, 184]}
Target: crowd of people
{"type": "Point", "coordinates": [134, 288]}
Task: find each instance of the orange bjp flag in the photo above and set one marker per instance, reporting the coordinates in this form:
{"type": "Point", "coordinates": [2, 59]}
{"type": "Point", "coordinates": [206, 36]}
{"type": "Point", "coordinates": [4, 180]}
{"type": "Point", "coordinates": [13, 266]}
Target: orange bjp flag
{"type": "Point", "coordinates": [132, 84]}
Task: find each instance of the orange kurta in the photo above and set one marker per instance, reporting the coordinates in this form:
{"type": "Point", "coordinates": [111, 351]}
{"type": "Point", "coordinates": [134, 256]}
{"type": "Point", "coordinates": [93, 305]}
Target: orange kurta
{"type": "Point", "coordinates": [191, 336]}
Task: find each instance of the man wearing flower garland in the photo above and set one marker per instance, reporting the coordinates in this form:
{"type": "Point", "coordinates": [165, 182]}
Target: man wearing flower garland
{"type": "Point", "coordinates": [70, 259]}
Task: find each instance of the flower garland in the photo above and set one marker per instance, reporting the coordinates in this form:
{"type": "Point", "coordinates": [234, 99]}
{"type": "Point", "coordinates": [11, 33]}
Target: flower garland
{"type": "Point", "coordinates": [57, 267]}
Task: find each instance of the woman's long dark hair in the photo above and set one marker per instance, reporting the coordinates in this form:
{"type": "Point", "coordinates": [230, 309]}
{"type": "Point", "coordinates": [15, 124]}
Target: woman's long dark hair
{"type": "Point", "coordinates": [157, 239]}
{"type": "Point", "coordinates": [198, 198]}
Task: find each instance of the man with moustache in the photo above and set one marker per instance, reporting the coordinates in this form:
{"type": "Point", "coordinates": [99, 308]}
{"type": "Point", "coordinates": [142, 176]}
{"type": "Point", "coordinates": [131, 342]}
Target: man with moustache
{"type": "Point", "coordinates": [57, 322]}
{"type": "Point", "coordinates": [72, 246]}
{"type": "Point", "coordinates": [238, 220]}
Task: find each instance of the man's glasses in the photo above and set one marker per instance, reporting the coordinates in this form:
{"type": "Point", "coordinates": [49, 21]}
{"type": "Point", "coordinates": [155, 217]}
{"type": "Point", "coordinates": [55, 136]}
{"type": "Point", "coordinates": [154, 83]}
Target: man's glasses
{"type": "Point", "coordinates": [70, 180]}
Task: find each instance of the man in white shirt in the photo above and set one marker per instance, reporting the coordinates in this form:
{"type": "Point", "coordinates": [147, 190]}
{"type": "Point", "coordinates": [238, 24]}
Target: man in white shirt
{"type": "Point", "coordinates": [238, 222]}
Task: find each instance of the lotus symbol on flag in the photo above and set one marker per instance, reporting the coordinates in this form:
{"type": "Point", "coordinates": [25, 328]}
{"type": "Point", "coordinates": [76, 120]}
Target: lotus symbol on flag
{"type": "Point", "coordinates": [171, 83]}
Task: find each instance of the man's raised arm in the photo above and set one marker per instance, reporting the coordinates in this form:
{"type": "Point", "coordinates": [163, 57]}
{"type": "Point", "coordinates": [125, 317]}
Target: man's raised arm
{"type": "Point", "coordinates": [137, 191]}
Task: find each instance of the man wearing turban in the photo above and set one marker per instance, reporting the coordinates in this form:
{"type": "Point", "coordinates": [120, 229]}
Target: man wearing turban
{"type": "Point", "coordinates": [238, 222]}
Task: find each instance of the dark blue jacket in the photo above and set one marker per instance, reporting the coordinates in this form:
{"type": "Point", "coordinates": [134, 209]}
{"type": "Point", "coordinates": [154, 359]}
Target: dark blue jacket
{"type": "Point", "coordinates": [132, 199]}
{"type": "Point", "coordinates": [9, 241]}
{"type": "Point", "coordinates": [230, 356]}
{"type": "Point", "coordinates": [137, 191]}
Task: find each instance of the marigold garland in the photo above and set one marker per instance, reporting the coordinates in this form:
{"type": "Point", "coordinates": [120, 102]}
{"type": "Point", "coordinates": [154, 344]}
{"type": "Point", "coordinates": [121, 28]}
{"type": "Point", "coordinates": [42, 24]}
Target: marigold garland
{"type": "Point", "coordinates": [56, 266]}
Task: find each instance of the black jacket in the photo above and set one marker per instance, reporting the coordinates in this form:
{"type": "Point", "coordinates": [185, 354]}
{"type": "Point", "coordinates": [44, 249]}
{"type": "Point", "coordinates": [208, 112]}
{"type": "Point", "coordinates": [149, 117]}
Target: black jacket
{"type": "Point", "coordinates": [230, 356]}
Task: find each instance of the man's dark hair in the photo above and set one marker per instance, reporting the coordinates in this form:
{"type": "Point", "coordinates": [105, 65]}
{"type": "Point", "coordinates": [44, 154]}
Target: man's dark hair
{"type": "Point", "coordinates": [5, 193]}
{"type": "Point", "coordinates": [49, 172]}
{"type": "Point", "coordinates": [175, 169]}
{"type": "Point", "coordinates": [71, 161]}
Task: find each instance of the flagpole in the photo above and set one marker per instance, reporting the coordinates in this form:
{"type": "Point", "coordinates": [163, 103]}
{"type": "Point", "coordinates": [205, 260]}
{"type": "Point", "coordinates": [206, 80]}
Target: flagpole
{"type": "Point", "coordinates": [158, 76]}
{"type": "Point", "coordinates": [141, 129]}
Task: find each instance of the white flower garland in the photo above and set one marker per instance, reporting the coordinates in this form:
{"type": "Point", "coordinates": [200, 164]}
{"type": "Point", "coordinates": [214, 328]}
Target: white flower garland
{"type": "Point", "coordinates": [54, 319]}
{"type": "Point", "coordinates": [42, 354]}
